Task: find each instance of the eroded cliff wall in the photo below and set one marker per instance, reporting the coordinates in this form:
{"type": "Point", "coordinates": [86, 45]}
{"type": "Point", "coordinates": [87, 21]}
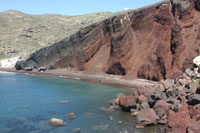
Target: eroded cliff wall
{"type": "Point", "coordinates": [155, 42]}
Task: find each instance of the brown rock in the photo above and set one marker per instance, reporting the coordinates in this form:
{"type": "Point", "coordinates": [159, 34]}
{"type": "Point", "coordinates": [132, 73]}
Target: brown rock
{"type": "Point", "coordinates": [194, 127]}
{"type": "Point", "coordinates": [195, 112]}
{"type": "Point", "coordinates": [128, 102]}
{"type": "Point", "coordinates": [178, 121]}
{"type": "Point", "coordinates": [168, 83]}
{"type": "Point", "coordinates": [161, 107]}
{"type": "Point", "coordinates": [185, 120]}
{"type": "Point", "coordinates": [71, 115]}
{"type": "Point", "coordinates": [57, 122]}
{"type": "Point", "coordinates": [147, 117]}
{"type": "Point", "coordinates": [142, 98]}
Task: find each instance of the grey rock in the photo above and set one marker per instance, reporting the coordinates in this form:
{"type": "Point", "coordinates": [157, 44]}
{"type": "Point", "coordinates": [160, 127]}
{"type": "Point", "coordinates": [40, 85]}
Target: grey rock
{"type": "Point", "coordinates": [186, 90]}
{"type": "Point", "coordinates": [163, 120]}
{"type": "Point", "coordinates": [134, 112]}
{"type": "Point", "coordinates": [161, 107]}
{"type": "Point", "coordinates": [194, 99]}
{"type": "Point", "coordinates": [189, 72]}
{"type": "Point", "coordinates": [168, 83]}
{"type": "Point", "coordinates": [197, 91]}
{"type": "Point", "coordinates": [172, 93]}
{"type": "Point", "coordinates": [144, 105]}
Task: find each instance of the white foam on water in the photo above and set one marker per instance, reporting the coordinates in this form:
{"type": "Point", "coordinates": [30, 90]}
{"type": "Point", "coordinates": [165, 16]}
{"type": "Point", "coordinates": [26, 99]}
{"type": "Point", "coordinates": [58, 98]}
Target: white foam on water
{"type": "Point", "coordinates": [7, 72]}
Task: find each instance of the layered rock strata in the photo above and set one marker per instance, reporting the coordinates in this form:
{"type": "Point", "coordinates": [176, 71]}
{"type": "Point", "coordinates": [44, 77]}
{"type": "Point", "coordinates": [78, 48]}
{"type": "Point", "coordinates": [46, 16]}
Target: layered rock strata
{"type": "Point", "coordinates": [155, 42]}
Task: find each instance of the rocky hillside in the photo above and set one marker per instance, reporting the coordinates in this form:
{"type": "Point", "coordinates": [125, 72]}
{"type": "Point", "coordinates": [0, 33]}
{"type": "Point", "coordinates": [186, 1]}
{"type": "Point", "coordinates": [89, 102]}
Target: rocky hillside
{"type": "Point", "coordinates": [155, 42]}
{"type": "Point", "coordinates": [22, 34]}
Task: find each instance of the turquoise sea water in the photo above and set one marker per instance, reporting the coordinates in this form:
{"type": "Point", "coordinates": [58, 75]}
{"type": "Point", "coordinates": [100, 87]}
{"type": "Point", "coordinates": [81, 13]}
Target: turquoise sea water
{"type": "Point", "coordinates": [28, 102]}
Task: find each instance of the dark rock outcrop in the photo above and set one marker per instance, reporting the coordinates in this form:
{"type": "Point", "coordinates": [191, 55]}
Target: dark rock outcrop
{"type": "Point", "coordinates": [156, 42]}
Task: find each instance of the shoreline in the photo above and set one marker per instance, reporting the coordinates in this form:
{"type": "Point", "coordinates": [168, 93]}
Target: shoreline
{"type": "Point", "coordinates": [113, 80]}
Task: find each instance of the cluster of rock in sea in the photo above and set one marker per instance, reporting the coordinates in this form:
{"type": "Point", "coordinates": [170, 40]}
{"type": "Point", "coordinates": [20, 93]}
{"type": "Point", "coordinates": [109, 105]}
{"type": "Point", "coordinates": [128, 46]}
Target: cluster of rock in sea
{"type": "Point", "coordinates": [60, 122]}
{"type": "Point", "coordinates": [174, 103]}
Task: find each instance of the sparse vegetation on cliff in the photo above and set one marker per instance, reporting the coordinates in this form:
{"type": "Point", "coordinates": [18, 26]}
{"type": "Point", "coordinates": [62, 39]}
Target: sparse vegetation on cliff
{"type": "Point", "coordinates": [22, 34]}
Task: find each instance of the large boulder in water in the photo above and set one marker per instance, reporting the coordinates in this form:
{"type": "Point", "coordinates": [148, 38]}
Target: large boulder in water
{"type": "Point", "coordinates": [147, 117]}
{"type": "Point", "coordinates": [57, 122]}
{"type": "Point", "coordinates": [128, 102]}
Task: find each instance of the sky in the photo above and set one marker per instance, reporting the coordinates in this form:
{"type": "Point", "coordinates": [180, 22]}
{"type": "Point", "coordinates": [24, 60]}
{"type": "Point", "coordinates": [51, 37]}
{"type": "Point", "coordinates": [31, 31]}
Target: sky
{"type": "Point", "coordinates": [71, 7]}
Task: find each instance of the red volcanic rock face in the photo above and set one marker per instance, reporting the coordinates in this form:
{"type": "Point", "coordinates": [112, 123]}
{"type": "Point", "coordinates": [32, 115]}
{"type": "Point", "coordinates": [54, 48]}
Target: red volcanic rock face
{"type": "Point", "coordinates": [156, 42]}
{"type": "Point", "coordinates": [178, 121]}
{"type": "Point", "coordinates": [185, 120]}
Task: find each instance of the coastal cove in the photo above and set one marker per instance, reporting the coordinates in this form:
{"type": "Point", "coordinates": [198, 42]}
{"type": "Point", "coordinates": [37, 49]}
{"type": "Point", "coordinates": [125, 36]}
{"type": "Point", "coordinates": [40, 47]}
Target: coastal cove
{"type": "Point", "coordinates": [28, 102]}
{"type": "Point", "coordinates": [106, 79]}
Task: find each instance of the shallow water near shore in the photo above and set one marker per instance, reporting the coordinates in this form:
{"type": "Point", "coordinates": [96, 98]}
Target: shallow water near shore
{"type": "Point", "coordinates": [28, 102]}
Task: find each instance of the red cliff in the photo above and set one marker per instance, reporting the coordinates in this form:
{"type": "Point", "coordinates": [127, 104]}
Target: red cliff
{"type": "Point", "coordinates": [155, 42]}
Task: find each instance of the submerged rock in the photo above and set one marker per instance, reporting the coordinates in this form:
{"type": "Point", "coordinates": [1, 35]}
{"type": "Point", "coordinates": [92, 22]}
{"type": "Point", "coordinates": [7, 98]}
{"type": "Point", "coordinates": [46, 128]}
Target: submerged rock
{"type": "Point", "coordinates": [88, 114]}
{"type": "Point", "coordinates": [119, 122]}
{"type": "Point", "coordinates": [57, 122]}
{"type": "Point", "coordinates": [114, 102]}
{"type": "Point", "coordinates": [124, 131]}
{"type": "Point", "coordinates": [64, 101]}
{"type": "Point", "coordinates": [134, 112]}
{"type": "Point", "coordinates": [110, 118]}
{"type": "Point", "coordinates": [76, 130]}
{"type": "Point", "coordinates": [109, 109]}
{"type": "Point", "coordinates": [101, 127]}
{"type": "Point", "coordinates": [139, 126]}
{"type": "Point", "coordinates": [71, 115]}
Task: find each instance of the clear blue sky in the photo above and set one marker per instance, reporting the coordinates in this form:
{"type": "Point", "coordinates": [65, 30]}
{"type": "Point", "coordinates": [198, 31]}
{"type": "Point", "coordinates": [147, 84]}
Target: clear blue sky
{"type": "Point", "coordinates": [71, 7]}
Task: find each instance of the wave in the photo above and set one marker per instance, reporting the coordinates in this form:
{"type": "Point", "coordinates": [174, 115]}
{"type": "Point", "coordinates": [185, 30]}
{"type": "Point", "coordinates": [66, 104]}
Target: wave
{"type": "Point", "coordinates": [7, 72]}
